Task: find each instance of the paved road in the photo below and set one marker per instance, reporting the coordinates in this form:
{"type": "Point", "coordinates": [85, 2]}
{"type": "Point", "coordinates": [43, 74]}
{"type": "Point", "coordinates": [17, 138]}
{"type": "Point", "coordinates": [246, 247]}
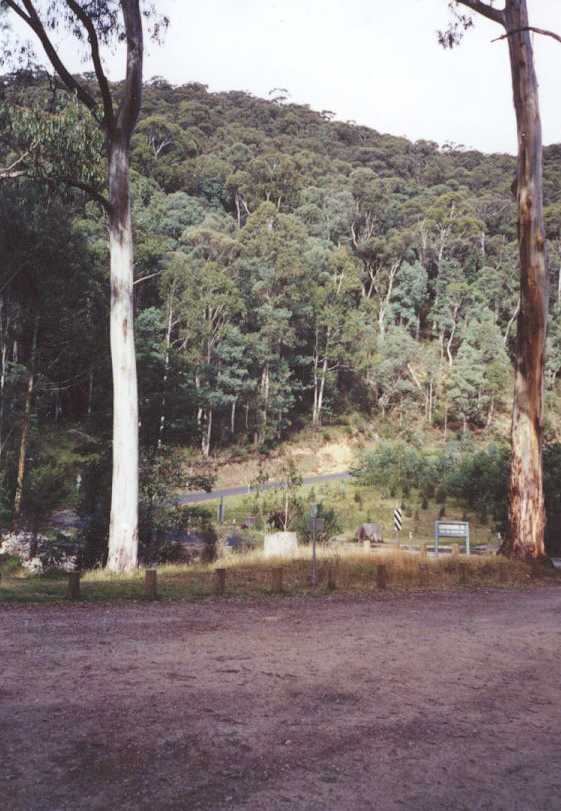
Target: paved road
{"type": "Point", "coordinates": [195, 498]}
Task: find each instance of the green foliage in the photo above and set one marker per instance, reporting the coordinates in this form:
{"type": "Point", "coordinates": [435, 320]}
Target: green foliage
{"type": "Point", "coordinates": [393, 466]}
{"type": "Point", "coordinates": [331, 523]}
{"type": "Point", "coordinates": [61, 141]}
{"type": "Point", "coordinates": [290, 270]}
{"type": "Point", "coordinates": [479, 482]}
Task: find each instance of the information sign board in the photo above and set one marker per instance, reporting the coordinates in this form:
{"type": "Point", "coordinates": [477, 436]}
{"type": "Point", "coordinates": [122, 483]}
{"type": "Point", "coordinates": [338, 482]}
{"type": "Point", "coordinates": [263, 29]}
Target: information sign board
{"type": "Point", "coordinates": [451, 529]}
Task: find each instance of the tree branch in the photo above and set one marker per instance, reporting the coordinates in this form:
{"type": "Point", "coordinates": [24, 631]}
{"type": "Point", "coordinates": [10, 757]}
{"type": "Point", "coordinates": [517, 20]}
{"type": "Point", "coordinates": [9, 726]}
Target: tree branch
{"type": "Point", "coordinates": [85, 187]}
{"type": "Point", "coordinates": [10, 171]}
{"type": "Point", "coordinates": [528, 28]}
{"type": "Point", "coordinates": [86, 21]}
{"type": "Point", "coordinates": [132, 99]}
{"type": "Point", "coordinates": [487, 11]}
{"type": "Point", "coordinates": [150, 276]}
{"type": "Point", "coordinates": [34, 22]}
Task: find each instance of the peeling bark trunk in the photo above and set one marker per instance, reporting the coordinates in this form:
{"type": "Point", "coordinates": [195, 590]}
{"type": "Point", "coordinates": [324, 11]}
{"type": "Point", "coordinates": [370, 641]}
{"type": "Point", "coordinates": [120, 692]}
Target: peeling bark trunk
{"type": "Point", "coordinates": [526, 511]}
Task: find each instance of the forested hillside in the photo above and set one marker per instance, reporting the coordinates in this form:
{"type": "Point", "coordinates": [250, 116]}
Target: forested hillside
{"type": "Point", "coordinates": [290, 269]}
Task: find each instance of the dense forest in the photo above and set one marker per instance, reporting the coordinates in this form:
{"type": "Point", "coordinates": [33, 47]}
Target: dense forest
{"type": "Point", "coordinates": [291, 270]}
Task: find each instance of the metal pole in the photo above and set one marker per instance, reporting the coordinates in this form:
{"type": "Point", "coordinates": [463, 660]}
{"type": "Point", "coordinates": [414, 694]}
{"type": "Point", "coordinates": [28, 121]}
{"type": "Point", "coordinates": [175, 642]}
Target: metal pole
{"type": "Point", "coordinates": [314, 560]}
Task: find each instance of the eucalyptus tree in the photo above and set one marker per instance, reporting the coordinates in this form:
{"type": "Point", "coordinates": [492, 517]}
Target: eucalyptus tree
{"type": "Point", "coordinates": [100, 22]}
{"type": "Point", "coordinates": [334, 295]}
{"type": "Point", "coordinates": [526, 513]}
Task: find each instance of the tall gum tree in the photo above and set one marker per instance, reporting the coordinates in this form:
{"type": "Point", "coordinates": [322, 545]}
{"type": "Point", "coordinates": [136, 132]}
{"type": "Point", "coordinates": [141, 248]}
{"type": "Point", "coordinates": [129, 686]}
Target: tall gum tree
{"type": "Point", "coordinates": [526, 512]}
{"type": "Point", "coordinates": [97, 22]}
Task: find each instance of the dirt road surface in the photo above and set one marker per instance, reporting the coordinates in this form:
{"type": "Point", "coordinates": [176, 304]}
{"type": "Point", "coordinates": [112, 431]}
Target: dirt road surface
{"type": "Point", "coordinates": [426, 701]}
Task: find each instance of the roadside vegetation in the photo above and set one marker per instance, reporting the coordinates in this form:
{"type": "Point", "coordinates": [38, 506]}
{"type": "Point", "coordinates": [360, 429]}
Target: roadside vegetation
{"type": "Point", "coordinates": [250, 575]}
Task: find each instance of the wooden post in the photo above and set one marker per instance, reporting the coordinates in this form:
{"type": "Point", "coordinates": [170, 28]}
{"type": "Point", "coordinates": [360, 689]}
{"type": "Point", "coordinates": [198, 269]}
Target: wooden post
{"type": "Point", "coordinates": [366, 545]}
{"type": "Point", "coordinates": [73, 592]}
{"type": "Point", "coordinates": [151, 584]}
{"type": "Point", "coordinates": [220, 585]}
{"type": "Point", "coordinates": [423, 551]}
{"type": "Point", "coordinates": [462, 574]}
{"type": "Point", "coordinates": [503, 573]}
{"type": "Point", "coordinates": [331, 577]}
{"type": "Point", "coordinates": [277, 580]}
{"type": "Point", "coordinates": [424, 573]}
{"type": "Point", "coordinates": [456, 550]}
{"type": "Point", "coordinates": [381, 572]}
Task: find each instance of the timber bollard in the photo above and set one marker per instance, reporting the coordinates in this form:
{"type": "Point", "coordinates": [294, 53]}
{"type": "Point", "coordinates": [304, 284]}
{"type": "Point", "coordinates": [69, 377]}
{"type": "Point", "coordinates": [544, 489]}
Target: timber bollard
{"type": "Point", "coordinates": [423, 552]}
{"type": "Point", "coordinates": [220, 585]}
{"type": "Point", "coordinates": [73, 592]}
{"type": "Point", "coordinates": [462, 573]}
{"type": "Point", "coordinates": [424, 573]}
{"type": "Point", "coordinates": [381, 578]}
{"type": "Point", "coordinates": [331, 577]}
{"type": "Point", "coordinates": [456, 551]}
{"type": "Point", "coordinates": [277, 580]}
{"type": "Point", "coordinates": [151, 584]}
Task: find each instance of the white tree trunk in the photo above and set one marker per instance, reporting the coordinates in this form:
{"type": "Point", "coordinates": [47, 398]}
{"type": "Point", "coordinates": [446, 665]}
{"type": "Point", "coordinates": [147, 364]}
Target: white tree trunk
{"type": "Point", "coordinates": [321, 390]}
{"type": "Point", "coordinates": [166, 373]}
{"type": "Point", "coordinates": [123, 532]}
{"type": "Point", "coordinates": [233, 416]}
{"type": "Point", "coordinates": [207, 434]}
{"type": "Point", "coordinates": [26, 425]}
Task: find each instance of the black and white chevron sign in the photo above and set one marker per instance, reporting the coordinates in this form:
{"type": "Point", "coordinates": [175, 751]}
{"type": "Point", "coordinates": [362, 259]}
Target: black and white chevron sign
{"type": "Point", "coordinates": [397, 519]}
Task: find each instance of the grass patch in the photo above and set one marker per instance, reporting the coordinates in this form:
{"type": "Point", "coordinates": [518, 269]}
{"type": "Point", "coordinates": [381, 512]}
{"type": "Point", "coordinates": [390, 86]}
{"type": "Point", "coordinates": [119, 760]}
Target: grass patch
{"type": "Point", "coordinates": [355, 505]}
{"type": "Point", "coordinates": [250, 576]}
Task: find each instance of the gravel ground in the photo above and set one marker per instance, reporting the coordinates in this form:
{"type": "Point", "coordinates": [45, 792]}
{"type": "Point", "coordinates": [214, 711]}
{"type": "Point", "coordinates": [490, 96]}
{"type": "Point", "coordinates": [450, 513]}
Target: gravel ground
{"type": "Point", "coordinates": [424, 701]}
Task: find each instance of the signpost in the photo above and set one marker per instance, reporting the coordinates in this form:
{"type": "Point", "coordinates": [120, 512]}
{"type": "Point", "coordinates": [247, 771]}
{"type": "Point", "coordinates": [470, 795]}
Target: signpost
{"type": "Point", "coordinates": [316, 524]}
{"type": "Point", "coordinates": [220, 511]}
{"type": "Point", "coordinates": [397, 523]}
{"type": "Point", "coordinates": [451, 529]}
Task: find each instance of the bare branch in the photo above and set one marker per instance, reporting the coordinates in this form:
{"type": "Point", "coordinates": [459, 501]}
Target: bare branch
{"type": "Point", "coordinates": [491, 13]}
{"type": "Point", "coordinates": [531, 28]}
{"type": "Point", "coordinates": [150, 276]}
{"type": "Point", "coordinates": [11, 171]}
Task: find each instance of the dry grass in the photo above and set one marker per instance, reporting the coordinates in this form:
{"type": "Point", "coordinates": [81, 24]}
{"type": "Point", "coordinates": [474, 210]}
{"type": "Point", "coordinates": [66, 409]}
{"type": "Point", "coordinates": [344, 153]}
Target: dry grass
{"type": "Point", "coordinates": [250, 575]}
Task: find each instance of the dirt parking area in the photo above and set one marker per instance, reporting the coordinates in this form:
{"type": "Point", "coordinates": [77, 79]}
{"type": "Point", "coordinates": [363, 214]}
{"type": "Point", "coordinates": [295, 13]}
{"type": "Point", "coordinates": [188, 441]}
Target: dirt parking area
{"type": "Point", "coordinates": [424, 701]}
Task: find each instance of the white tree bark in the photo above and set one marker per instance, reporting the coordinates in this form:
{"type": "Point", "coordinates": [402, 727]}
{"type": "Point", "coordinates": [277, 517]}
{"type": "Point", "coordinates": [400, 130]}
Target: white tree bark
{"type": "Point", "coordinates": [123, 532]}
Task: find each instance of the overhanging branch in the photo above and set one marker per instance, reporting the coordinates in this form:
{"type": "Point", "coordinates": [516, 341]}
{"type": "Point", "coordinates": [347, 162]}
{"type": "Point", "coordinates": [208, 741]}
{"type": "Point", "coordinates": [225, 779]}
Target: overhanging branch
{"type": "Point", "coordinates": [531, 28]}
